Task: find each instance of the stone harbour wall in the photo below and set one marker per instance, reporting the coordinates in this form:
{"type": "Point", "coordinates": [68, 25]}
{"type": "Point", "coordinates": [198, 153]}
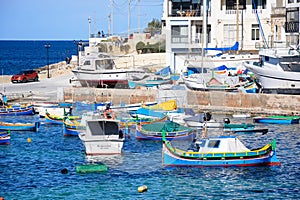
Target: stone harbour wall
{"type": "Point", "coordinates": [218, 102]}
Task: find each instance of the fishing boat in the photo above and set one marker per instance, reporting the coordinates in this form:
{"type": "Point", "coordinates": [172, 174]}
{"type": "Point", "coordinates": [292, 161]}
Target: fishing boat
{"type": "Point", "coordinates": [17, 110]}
{"type": "Point", "coordinates": [99, 70]}
{"type": "Point", "coordinates": [73, 127]}
{"type": "Point", "coordinates": [277, 119]}
{"type": "Point", "coordinates": [221, 151]}
{"type": "Point", "coordinates": [132, 122]}
{"type": "Point", "coordinates": [58, 119]}
{"type": "Point", "coordinates": [278, 70]}
{"type": "Point", "coordinates": [174, 131]}
{"type": "Point", "coordinates": [20, 126]}
{"type": "Point", "coordinates": [201, 118]}
{"type": "Point", "coordinates": [4, 137]}
{"type": "Point", "coordinates": [102, 136]}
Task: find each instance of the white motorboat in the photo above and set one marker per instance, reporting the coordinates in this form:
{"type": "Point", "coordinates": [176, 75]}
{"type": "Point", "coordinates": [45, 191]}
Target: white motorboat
{"type": "Point", "coordinates": [278, 70]}
{"type": "Point", "coordinates": [99, 70]}
{"type": "Point", "coordinates": [102, 137]}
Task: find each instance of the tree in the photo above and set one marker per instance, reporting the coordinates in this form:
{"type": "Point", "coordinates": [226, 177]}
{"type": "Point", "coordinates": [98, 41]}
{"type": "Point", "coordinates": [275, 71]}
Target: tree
{"type": "Point", "coordinates": [153, 27]}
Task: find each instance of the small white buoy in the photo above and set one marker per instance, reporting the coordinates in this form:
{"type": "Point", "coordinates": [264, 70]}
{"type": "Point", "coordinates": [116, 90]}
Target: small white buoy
{"type": "Point", "coordinates": [29, 140]}
{"type": "Point", "coordinates": [142, 188]}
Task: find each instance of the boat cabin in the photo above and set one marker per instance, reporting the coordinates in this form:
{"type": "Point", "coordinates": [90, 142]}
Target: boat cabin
{"type": "Point", "coordinates": [102, 127]}
{"type": "Point", "coordinates": [288, 59]}
{"type": "Point", "coordinates": [220, 144]}
{"type": "Point", "coordinates": [99, 62]}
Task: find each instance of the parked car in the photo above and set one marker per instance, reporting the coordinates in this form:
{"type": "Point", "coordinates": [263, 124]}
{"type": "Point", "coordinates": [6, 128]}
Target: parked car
{"type": "Point", "coordinates": [24, 76]}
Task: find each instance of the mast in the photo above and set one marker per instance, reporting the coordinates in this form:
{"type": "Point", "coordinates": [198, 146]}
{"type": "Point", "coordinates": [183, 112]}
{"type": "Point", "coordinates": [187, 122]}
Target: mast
{"type": "Point", "coordinates": [204, 26]}
{"type": "Point", "coordinates": [237, 23]}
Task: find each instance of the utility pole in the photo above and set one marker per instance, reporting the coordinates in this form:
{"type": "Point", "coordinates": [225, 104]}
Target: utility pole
{"type": "Point", "coordinates": [128, 18]}
{"type": "Point", "coordinates": [109, 24]}
{"type": "Point", "coordinates": [89, 20]}
{"type": "Point", "coordinates": [112, 16]}
{"type": "Point", "coordinates": [139, 13]}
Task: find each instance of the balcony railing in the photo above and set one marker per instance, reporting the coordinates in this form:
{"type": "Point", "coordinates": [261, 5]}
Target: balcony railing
{"type": "Point", "coordinates": [292, 27]}
{"type": "Point", "coordinates": [179, 39]}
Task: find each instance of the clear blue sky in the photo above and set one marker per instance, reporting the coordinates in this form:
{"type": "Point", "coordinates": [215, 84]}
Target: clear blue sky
{"type": "Point", "coordinates": [68, 19]}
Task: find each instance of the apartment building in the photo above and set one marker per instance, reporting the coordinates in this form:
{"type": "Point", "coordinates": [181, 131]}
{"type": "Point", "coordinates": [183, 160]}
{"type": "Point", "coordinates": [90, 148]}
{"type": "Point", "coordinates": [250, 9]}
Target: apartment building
{"type": "Point", "coordinates": [248, 22]}
{"type": "Point", "coordinates": [292, 22]}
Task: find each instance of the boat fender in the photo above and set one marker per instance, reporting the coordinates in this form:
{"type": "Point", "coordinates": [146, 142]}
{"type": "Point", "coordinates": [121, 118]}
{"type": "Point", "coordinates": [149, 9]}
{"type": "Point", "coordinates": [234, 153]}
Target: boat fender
{"type": "Point", "coordinates": [142, 188]}
{"type": "Point", "coordinates": [226, 120]}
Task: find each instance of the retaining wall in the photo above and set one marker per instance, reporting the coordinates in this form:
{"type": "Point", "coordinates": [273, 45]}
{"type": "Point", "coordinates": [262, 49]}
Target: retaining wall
{"type": "Point", "coordinates": [199, 100]}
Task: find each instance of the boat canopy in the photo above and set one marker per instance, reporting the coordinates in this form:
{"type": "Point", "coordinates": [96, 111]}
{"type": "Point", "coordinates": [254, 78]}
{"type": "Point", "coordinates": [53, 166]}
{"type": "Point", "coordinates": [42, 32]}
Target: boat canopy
{"type": "Point", "coordinates": [221, 144]}
{"type": "Point", "coordinates": [167, 105]}
{"type": "Point", "coordinates": [164, 72]}
{"type": "Point", "coordinates": [235, 47]}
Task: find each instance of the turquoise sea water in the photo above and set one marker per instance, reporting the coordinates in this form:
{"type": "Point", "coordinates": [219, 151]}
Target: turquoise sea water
{"type": "Point", "coordinates": [33, 170]}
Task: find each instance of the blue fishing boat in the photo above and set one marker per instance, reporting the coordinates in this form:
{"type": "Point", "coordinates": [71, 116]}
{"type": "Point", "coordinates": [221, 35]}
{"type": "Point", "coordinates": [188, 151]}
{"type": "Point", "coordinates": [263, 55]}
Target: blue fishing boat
{"type": "Point", "coordinates": [20, 126]}
{"type": "Point", "coordinates": [4, 137]}
{"type": "Point", "coordinates": [174, 131]}
{"type": "Point", "coordinates": [277, 119]}
{"type": "Point", "coordinates": [17, 110]}
{"type": "Point", "coordinates": [222, 151]}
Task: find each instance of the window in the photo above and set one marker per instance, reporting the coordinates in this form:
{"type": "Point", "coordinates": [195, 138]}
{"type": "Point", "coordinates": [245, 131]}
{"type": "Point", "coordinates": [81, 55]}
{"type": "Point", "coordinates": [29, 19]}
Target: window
{"type": "Point", "coordinates": [255, 32]}
{"type": "Point", "coordinates": [231, 4]}
{"type": "Point", "coordinates": [179, 34]}
{"type": "Point", "coordinates": [230, 34]}
{"type": "Point", "coordinates": [213, 144]}
{"type": "Point", "coordinates": [259, 4]}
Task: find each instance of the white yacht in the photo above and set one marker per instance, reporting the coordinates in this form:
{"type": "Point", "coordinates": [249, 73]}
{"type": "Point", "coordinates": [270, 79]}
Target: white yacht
{"type": "Point", "coordinates": [278, 70]}
{"type": "Point", "coordinates": [102, 137]}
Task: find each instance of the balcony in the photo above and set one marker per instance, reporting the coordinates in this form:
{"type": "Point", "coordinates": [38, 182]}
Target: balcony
{"type": "Point", "coordinates": [292, 27]}
{"type": "Point", "coordinates": [185, 13]}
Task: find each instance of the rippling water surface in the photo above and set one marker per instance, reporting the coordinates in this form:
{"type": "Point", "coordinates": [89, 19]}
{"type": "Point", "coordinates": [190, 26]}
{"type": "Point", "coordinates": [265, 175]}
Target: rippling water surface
{"type": "Point", "coordinates": [21, 55]}
{"type": "Point", "coordinates": [33, 170]}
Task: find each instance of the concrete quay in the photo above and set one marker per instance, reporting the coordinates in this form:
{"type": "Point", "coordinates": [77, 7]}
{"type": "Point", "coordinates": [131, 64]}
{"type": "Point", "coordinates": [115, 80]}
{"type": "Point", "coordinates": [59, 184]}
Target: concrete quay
{"type": "Point", "coordinates": [212, 101]}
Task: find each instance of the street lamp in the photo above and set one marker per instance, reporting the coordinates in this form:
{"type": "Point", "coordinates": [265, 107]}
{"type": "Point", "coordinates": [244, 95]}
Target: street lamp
{"type": "Point", "coordinates": [47, 46]}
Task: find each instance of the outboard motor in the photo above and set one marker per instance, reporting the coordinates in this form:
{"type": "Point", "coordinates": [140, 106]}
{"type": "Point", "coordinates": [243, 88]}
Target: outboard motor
{"type": "Point", "coordinates": [226, 120]}
{"type": "Point", "coordinates": [207, 116]}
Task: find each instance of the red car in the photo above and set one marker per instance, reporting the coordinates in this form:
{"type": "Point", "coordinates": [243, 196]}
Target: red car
{"type": "Point", "coordinates": [24, 76]}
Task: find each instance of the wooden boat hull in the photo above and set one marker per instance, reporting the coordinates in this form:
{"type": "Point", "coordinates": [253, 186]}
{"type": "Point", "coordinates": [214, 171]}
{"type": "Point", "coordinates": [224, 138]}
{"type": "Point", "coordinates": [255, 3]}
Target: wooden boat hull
{"type": "Point", "coordinates": [4, 138]}
{"type": "Point", "coordinates": [58, 120]}
{"type": "Point", "coordinates": [73, 130]}
{"type": "Point", "coordinates": [17, 111]}
{"type": "Point", "coordinates": [170, 159]}
{"type": "Point", "coordinates": [20, 126]}
{"type": "Point", "coordinates": [169, 135]}
{"type": "Point", "coordinates": [274, 120]}
{"type": "Point", "coordinates": [102, 146]}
